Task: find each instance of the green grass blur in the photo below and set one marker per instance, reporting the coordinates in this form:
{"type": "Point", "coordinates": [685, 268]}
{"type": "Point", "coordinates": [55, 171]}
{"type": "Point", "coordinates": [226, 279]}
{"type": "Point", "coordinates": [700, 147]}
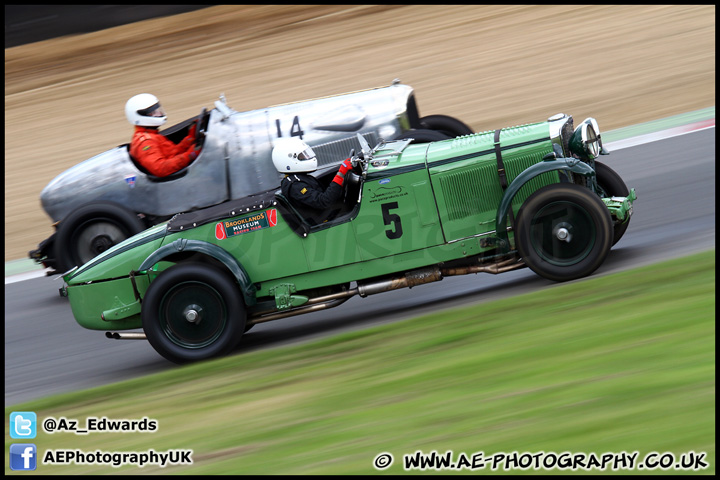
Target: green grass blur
{"type": "Point", "coordinates": [623, 362]}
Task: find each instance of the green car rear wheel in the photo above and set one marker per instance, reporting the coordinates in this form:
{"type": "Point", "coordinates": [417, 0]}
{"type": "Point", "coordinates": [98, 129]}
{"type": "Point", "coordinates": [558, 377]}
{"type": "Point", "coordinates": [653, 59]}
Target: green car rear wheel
{"type": "Point", "coordinates": [193, 311]}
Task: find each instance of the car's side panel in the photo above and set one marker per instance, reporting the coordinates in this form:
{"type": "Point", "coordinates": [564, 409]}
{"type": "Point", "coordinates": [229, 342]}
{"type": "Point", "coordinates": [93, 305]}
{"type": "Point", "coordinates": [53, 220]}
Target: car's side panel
{"type": "Point", "coordinates": [88, 300]}
{"type": "Point", "coordinates": [331, 118]}
{"type": "Point", "coordinates": [398, 212]}
{"type": "Point", "coordinates": [397, 215]}
{"type": "Point", "coordinates": [331, 247]}
{"type": "Point", "coordinates": [465, 182]}
{"type": "Point", "coordinates": [249, 147]}
{"type": "Point", "coordinates": [465, 177]}
{"type": "Point", "coordinates": [378, 267]}
{"type": "Point", "coordinates": [112, 176]}
{"type": "Point", "coordinates": [261, 242]}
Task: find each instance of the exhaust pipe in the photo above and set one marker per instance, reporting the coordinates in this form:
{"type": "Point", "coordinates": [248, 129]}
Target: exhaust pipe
{"type": "Point", "coordinates": [126, 335]}
{"type": "Point", "coordinates": [409, 280]}
{"type": "Point", "coordinates": [315, 307]}
{"type": "Point", "coordinates": [435, 274]}
{"type": "Point", "coordinates": [494, 268]}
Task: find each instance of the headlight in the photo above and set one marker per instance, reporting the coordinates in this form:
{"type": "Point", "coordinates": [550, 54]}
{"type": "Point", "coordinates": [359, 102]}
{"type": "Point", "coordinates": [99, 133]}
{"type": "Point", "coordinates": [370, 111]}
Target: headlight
{"type": "Point", "coordinates": [585, 140]}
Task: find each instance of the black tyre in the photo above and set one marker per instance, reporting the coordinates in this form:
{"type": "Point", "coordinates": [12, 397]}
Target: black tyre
{"type": "Point", "coordinates": [563, 232]}
{"type": "Point", "coordinates": [450, 126]}
{"type": "Point", "coordinates": [192, 312]}
{"type": "Point", "coordinates": [612, 185]}
{"type": "Point", "coordinates": [92, 229]}
{"type": "Point", "coordinates": [421, 135]}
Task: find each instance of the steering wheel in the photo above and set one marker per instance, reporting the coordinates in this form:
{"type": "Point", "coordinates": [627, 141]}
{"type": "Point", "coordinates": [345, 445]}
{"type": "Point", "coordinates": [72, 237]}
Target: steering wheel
{"type": "Point", "coordinates": [199, 134]}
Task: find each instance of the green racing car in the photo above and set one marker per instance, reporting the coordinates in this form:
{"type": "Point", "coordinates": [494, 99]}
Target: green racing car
{"type": "Point", "coordinates": [413, 213]}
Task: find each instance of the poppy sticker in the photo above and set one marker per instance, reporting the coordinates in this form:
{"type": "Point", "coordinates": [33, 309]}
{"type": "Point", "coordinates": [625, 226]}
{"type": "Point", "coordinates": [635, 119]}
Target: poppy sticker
{"type": "Point", "coordinates": [220, 231]}
{"type": "Point", "coordinates": [272, 217]}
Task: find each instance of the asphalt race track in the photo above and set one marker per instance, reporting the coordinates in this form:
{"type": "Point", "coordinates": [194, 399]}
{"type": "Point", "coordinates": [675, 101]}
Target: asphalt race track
{"type": "Point", "coordinates": [46, 352]}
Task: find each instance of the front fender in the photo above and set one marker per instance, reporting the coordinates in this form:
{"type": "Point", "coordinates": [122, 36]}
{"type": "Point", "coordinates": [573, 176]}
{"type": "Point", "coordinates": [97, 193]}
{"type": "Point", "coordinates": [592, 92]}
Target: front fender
{"type": "Point", "coordinates": [566, 163]}
{"type": "Point", "coordinates": [184, 245]}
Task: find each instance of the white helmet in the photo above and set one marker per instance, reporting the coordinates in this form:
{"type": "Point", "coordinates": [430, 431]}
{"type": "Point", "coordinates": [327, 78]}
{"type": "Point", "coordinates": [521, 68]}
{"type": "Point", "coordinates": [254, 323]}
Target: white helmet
{"type": "Point", "coordinates": [292, 155]}
{"type": "Point", "coordinates": [145, 110]}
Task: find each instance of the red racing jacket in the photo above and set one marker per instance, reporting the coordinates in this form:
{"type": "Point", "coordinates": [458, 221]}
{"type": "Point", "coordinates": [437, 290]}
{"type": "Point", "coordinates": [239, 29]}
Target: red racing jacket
{"type": "Point", "coordinates": [160, 156]}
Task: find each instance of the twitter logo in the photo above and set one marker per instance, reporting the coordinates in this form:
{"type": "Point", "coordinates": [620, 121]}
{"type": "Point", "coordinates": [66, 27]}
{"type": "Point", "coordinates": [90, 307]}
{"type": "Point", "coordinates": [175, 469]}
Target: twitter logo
{"type": "Point", "coordinates": [23, 424]}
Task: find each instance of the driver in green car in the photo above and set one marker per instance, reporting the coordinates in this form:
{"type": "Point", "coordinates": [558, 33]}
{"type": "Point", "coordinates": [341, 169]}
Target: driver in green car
{"type": "Point", "coordinates": [296, 159]}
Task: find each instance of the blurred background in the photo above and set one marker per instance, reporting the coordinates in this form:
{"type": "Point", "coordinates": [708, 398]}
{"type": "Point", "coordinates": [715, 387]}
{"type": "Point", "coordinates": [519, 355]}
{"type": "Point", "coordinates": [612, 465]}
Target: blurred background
{"type": "Point", "coordinates": [33, 23]}
{"type": "Point", "coordinates": [490, 66]}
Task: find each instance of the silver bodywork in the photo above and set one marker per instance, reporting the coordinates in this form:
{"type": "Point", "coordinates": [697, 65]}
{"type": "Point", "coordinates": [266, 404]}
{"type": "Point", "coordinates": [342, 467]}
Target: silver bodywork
{"type": "Point", "coordinates": [236, 155]}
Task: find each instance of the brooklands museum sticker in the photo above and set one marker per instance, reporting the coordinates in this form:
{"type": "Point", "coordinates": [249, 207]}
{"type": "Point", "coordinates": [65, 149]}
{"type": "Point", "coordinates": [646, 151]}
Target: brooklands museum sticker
{"type": "Point", "coordinates": [251, 223]}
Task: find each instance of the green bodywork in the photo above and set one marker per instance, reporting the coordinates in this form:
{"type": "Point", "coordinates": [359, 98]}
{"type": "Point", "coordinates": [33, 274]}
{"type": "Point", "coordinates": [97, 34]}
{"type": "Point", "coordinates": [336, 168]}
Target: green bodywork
{"type": "Point", "coordinates": [621, 207]}
{"type": "Point", "coordinates": [428, 204]}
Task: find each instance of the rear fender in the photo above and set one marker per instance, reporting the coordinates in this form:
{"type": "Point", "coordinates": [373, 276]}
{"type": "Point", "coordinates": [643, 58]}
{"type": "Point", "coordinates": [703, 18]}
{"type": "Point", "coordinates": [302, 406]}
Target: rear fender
{"type": "Point", "coordinates": [184, 245]}
{"type": "Point", "coordinates": [572, 164]}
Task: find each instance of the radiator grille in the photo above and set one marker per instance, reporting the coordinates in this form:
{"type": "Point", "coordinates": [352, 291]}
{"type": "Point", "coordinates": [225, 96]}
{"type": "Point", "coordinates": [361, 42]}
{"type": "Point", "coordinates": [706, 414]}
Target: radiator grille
{"type": "Point", "coordinates": [335, 152]}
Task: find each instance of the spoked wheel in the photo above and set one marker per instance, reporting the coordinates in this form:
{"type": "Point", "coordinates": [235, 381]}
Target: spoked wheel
{"type": "Point", "coordinates": [193, 311]}
{"type": "Point", "coordinates": [95, 237]}
{"type": "Point", "coordinates": [91, 230]}
{"type": "Point", "coordinates": [612, 185]}
{"type": "Point", "coordinates": [563, 232]}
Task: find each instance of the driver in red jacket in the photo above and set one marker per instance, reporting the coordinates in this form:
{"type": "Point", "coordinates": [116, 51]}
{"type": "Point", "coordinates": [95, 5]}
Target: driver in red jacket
{"type": "Point", "coordinates": [159, 155]}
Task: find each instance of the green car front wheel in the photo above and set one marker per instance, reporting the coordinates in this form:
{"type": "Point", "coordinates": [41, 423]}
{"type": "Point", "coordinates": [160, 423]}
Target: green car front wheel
{"type": "Point", "coordinates": [563, 232]}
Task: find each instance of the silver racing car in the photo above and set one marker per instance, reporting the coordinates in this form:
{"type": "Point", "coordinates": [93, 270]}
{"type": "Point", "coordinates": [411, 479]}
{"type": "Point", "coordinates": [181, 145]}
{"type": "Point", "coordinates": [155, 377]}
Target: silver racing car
{"type": "Point", "coordinates": [110, 197]}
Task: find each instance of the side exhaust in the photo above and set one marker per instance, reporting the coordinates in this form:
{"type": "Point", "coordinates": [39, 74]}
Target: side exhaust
{"type": "Point", "coordinates": [494, 268]}
{"type": "Point", "coordinates": [409, 280]}
{"type": "Point", "coordinates": [126, 335]}
{"type": "Point", "coordinates": [435, 274]}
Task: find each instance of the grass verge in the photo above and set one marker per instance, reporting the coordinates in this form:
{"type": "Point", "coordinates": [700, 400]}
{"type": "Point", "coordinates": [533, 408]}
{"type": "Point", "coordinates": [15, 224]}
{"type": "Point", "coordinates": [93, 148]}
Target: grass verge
{"type": "Point", "coordinates": [620, 363]}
